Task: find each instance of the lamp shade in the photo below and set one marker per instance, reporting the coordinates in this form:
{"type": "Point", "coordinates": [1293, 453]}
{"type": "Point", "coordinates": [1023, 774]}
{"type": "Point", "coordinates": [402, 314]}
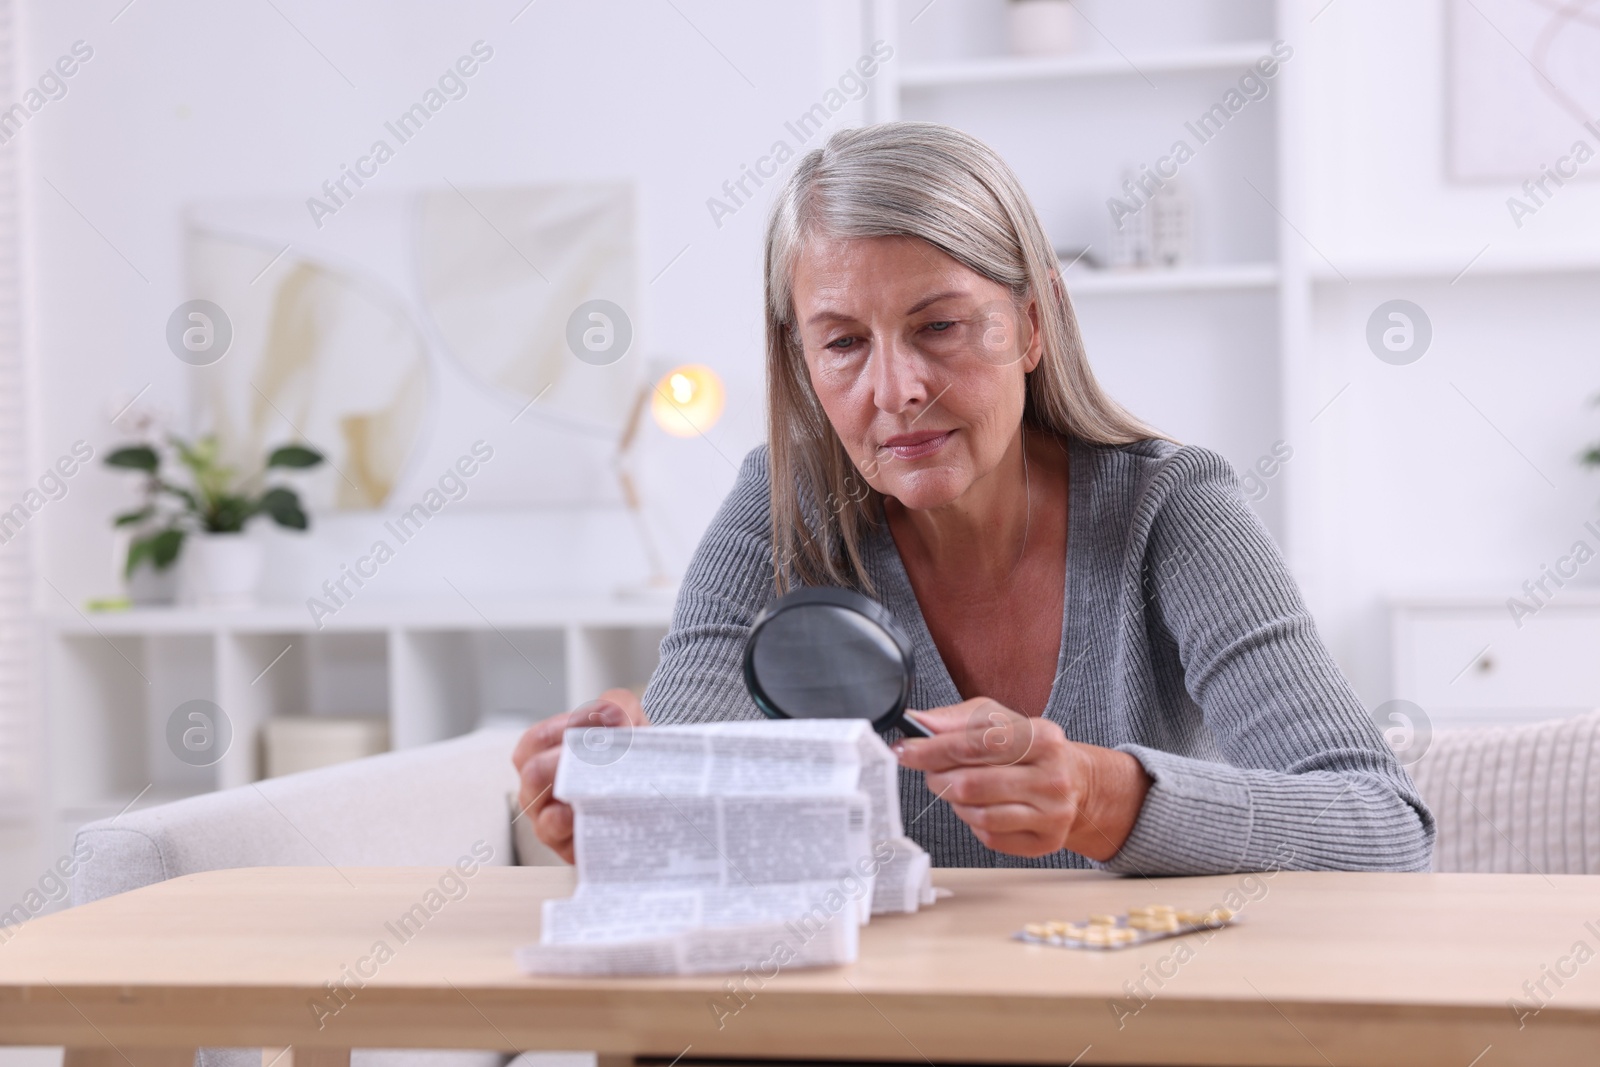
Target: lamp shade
{"type": "Point", "coordinates": [688, 400]}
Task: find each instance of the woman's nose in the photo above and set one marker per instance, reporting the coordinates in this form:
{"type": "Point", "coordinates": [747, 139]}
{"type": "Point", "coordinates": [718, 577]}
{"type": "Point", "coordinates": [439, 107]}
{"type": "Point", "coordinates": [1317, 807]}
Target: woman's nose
{"type": "Point", "coordinates": [897, 377]}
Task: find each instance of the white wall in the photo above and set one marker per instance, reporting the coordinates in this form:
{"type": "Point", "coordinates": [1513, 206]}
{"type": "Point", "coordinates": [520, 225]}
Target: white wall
{"type": "Point", "coordinates": [189, 101]}
{"type": "Point", "coordinates": [1458, 473]}
{"type": "Point", "coordinates": [194, 101]}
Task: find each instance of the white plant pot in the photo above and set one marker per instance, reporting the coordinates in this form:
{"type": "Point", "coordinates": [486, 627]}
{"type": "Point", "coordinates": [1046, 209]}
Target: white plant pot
{"type": "Point", "coordinates": [148, 587]}
{"type": "Point", "coordinates": [1042, 27]}
{"type": "Point", "coordinates": [221, 570]}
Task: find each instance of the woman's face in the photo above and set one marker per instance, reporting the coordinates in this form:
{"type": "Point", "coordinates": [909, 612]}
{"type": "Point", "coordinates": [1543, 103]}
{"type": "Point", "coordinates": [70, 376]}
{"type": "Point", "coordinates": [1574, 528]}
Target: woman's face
{"type": "Point", "coordinates": [917, 360]}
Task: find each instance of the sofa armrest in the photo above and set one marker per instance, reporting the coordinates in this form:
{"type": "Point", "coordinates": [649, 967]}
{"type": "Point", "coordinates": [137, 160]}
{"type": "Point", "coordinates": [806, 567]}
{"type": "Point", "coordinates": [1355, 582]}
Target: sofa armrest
{"type": "Point", "coordinates": [422, 806]}
{"type": "Point", "coordinates": [1519, 799]}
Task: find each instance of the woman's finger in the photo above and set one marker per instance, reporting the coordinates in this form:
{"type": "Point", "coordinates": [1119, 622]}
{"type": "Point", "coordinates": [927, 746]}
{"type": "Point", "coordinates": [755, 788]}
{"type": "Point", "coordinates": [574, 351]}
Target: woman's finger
{"type": "Point", "coordinates": [615, 707]}
{"type": "Point", "coordinates": [995, 737]}
{"type": "Point", "coordinates": [1027, 845]}
{"type": "Point", "coordinates": [538, 779]}
{"type": "Point", "coordinates": [1009, 818]}
{"type": "Point", "coordinates": [945, 719]}
{"type": "Point", "coordinates": [628, 703]}
{"type": "Point", "coordinates": [553, 825]}
{"type": "Point", "coordinates": [991, 785]}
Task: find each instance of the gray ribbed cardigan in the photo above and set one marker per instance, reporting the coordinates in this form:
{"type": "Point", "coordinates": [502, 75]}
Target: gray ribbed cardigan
{"type": "Point", "coordinates": [1184, 643]}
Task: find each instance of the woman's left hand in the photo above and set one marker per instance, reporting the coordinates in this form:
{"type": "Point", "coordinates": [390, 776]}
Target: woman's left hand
{"type": "Point", "coordinates": [1021, 785]}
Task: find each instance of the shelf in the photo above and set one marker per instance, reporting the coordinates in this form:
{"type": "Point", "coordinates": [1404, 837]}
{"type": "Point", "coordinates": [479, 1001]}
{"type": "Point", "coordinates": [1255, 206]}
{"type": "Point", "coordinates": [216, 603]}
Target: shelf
{"type": "Point", "coordinates": [1000, 70]}
{"type": "Point", "coordinates": [1434, 268]}
{"type": "Point", "coordinates": [1577, 596]}
{"type": "Point", "coordinates": [374, 616]}
{"type": "Point", "coordinates": [1221, 278]}
{"type": "Point", "coordinates": [434, 669]}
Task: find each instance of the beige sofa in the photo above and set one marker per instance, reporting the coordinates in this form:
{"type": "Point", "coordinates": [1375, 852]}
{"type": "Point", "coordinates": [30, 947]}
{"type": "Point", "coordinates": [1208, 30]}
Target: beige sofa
{"type": "Point", "coordinates": [421, 806]}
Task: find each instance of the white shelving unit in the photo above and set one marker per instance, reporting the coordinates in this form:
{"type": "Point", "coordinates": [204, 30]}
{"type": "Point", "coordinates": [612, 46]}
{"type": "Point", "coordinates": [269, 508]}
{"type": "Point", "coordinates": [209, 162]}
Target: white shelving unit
{"type": "Point", "coordinates": [1197, 350]}
{"type": "Point", "coordinates": [1232, 351]}
{"type": "Point", "coordinates": [433, 670]}
{"type": "Point", "coordinates": [1236, 277]}
{"type": "Point", "coordinates": [996, 69]}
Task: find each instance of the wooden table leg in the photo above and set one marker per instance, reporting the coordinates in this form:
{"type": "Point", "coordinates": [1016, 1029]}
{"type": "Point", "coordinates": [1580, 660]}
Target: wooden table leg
{"type": "Point", "coordinates": [121, 1057]}
{"type": "Point", "coordinates": [301, 1056]}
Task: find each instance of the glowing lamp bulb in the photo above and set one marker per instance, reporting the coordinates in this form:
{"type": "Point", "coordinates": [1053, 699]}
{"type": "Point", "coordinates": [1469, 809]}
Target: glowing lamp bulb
{"type": "Point", "coordinates": [688, 400]}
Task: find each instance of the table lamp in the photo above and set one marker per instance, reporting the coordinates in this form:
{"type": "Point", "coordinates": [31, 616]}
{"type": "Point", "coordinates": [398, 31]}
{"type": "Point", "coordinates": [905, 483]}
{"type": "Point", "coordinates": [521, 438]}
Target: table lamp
{"type": "Point", "coordinates": [685, 401]}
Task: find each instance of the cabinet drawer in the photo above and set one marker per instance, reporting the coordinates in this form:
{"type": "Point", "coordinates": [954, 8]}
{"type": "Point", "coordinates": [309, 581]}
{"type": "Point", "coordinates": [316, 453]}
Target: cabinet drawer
{"type": "Point", "coordinates": [1478, 663]}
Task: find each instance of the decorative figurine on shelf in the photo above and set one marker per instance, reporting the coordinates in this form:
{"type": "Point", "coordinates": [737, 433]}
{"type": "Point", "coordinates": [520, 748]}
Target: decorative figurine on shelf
{"type": "Point", "coordinates": [1042, 27]}
{"type": "Point", "coordinates": [1152, 224]}
{"type": "Point", "coordinates": [1171, 214]}
{"type": "Point", "coordinates": [1130, 228]}
{"type": "Point", "coordinates": [214, 508]}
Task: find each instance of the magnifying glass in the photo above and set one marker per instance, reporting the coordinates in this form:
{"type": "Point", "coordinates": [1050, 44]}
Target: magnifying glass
{"type": "Point", "coordinates": [828, 653]}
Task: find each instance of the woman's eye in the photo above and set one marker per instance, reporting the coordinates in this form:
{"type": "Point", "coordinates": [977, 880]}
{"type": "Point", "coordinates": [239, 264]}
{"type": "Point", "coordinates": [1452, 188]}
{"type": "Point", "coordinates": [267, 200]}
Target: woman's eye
{"type": "Point", "coordinates": [940, 327]}
{"type": "Point", "coordinates": [841, 344]}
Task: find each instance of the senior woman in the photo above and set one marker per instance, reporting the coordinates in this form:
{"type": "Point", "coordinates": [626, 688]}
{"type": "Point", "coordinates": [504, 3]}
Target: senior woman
{"type": "Point", "coordinates": [1116, 664]}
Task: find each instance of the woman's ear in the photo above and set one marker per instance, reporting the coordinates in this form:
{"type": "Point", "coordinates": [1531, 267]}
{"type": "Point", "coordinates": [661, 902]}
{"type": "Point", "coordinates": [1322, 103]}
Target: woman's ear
{"type": "Point", "coordinates": [1035, 350]}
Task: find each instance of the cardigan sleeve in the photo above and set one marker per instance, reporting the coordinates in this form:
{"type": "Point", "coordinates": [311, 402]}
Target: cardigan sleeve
{"type": "Point", "coordinates": [700, 677]}
{"type": "Point", "coordinates": [1307, 782]}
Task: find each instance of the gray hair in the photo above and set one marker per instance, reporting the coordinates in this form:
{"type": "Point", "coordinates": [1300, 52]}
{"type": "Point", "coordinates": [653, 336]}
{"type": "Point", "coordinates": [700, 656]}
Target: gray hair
{"type": "Point", "coordinates": [933, 182]}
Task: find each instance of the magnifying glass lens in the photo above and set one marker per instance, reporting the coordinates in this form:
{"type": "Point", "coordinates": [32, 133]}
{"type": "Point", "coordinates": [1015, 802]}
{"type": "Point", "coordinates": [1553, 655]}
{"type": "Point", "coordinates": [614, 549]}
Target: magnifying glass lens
{"type": "Point", "coordinates": [826, 662]}
{"type": "Point", "coordinates": [827, 653]}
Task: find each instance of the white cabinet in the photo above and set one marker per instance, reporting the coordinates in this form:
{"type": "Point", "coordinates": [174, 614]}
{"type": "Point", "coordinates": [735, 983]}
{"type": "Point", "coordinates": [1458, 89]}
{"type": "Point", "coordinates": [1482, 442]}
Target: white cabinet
{"type": "Point", "coordinates": [433, 670]}
{"type": "Point", "coordinates": [1468, 662]}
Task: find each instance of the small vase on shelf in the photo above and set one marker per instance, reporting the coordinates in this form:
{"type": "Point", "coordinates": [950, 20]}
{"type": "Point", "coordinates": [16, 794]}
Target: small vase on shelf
{"type": "Point", "coordinates": [1042, 27]}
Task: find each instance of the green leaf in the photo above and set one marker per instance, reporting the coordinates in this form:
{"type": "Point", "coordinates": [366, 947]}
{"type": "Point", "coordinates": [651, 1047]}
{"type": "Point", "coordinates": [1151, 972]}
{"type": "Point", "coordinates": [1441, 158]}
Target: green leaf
{"type": "Point", "coordinates": [228, 514]}
{"type": "Point", "coordinates": [1591, 458]}
{"type": "Point", "coordinates": [181, 493]}
{"type": "Point", "coordinates": [138, 551]}
{"type": "Point", "coordinates": [164, 547]}
{"type": "Point", "coordinates": [284, 507]}
{"type": "Point", "coordinates": [297, 456]}
{"type": "Point", "coordinates": [198, 455]}
{"type": "Point", "coordinates": [135, 457]}
{"type": "Point", "coordinates": [129, 518]}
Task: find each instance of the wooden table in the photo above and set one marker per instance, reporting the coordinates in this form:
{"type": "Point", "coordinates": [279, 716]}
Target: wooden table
{"type": "Point", "coordinates": [1322, 969]}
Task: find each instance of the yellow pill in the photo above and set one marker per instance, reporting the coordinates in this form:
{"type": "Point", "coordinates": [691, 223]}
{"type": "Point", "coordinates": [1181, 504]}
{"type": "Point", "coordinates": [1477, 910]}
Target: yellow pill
{"type": "Point", "coordinates": [1103, 920]}
{"type": "Point", "coordinates": [1036, 930]}
{"type": "Point", "coordinates": [1221, 915]}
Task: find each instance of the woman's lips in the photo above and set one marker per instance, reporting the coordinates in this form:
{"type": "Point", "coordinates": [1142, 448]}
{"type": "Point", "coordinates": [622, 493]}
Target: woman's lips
{"type": "Point", "coordinates": [918, 449]}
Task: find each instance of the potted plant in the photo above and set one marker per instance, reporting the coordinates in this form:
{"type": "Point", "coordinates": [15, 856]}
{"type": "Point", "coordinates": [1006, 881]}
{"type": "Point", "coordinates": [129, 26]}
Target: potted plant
{"type": "Point", "coordinates": [1591, 456]}
{"type": "Point", "coordinates": [209, 514]}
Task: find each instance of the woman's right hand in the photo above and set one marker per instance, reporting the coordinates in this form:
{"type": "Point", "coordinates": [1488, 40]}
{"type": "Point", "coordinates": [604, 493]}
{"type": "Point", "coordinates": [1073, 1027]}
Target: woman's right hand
{"type": "Point", "coordinates": [538, 752]}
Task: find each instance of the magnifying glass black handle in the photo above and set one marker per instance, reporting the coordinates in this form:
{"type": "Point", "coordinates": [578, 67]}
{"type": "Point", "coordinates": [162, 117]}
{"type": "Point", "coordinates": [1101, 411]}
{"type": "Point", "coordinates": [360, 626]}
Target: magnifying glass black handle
{"type": "Point", "coordinates": [911, 727]}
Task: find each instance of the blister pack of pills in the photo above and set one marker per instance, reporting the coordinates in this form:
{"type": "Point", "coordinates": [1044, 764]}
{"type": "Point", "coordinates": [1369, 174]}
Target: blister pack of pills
{"type": "Point", "coordinates": [1139, 926]}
